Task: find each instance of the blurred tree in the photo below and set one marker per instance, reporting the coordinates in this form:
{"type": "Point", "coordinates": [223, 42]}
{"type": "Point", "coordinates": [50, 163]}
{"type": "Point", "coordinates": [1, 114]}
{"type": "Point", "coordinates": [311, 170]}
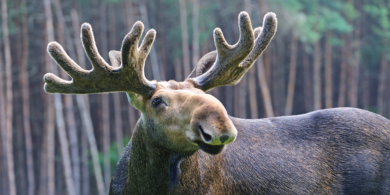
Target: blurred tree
{"type": "Point", "coordinates": [104, 110]}
{"type": "Point", "coordinates": [64, 34]}
{"type": "Point", "coordinates": [195, 32]}
{"type": "Point", "coordinates": [3, 128]}
{"type": "Point", "coordinates": [64, 145]}
{"type": "Point", "coordinates": [8, 103]}
{"type": "Point", "coordinates": [184, 37]}
{"type": "Point", "coordinates": [83, 105]}
{"type": "Point", "coordinates": [26, 100]}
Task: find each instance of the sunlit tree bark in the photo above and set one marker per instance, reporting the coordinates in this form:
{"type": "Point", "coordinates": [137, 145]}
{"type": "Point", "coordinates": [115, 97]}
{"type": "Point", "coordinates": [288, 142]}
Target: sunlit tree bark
{"type": "Point", "coordinates": [317, 76]}
{"type": "Point", "coordinates": [59, 112]}
{"type": "Point", "coordinates": [343, 73]}
{"type": "Point", "coordinates": [328, 72]}
{"type": "Point", "coordinates": [292, 75]}
{"type": "Point", "coordinates": [116, 96]}
{"type": "Point", "coordinates": [354, 68]}
{"type": "Point", "coordinates": [26, 102]}
{"type": "Point", "coordinates": [195, 32]}
{"type": "Point", "coordinates": [8, 100]}
{"type": "Point", "coordinates": [184, 38]}
{"type": "Point", "coordinates": [267, 101]}
{"type": "Point", "coordinates": [83, 105]}
{"type": "Point", "coordinates": [157, 75]}
{"type": "Point", "coordinates": [62, 35]}
{"type": "Point", "coordinates": [104, 98]}
{"type": "Point", "coordinates": [308, 94]}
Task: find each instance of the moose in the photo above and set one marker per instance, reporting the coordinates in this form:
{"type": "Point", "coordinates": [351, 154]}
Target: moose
{"type": "Point", "coordinates": [186, 143]}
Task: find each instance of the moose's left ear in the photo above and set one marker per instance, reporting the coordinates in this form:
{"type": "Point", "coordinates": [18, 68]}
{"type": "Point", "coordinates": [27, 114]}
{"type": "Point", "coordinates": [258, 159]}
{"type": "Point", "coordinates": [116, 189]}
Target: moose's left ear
{"type": "Point", "coordinates": [204, 64]}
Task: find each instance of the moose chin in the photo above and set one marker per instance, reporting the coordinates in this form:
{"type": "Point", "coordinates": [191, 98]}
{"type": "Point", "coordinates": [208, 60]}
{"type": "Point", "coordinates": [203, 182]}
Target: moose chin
{"type": "Point", "coordinates": [186, 143]}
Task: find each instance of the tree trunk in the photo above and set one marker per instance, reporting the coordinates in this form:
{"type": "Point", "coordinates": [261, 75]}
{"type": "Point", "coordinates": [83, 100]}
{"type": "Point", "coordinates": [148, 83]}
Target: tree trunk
{"type": "Point", "coordinates": [153, 55]}
{"type": "Point", "coordinates": [105, 124]}
{"type": "Point", "coordinates": [105, 101]}
{"type": "Point", "coordinates": [59, 113]}
{"type": "Point", "coordinates": [252, 92]}
{"type": "Point", "coordinates": [292, 75]}
{"type": "Point", "coordinates": [8, 98]}
{"type": "Point", "coordinates": [317, 76]}
{"type": "Point", "coordinates": [275, 83]}
{"type": "Point", "coordinates": [129, 10]}
{"type": "Point", "coordinates": [84, 164]}
{"type": "Point", "coordinates": [116, 96]}
{"type": "Point", "coordinates": [263, 7]}
{"type": "Point", "coordinates": [195, 30]}
{"type": "Point", "coordinates": [242, 97]}
{"type": "Point", "coordinates": [161, 42]}
{"type": "Point", "coordinates": [83, 139]}
{"type": "Point", "coordinates": [382, 83]}
{"type": "Point", "coordinates": [328, 73]}
{"type": "Point", "coordinates": [308, 94]}
{"type": "Point", "coordinates": [3, 128]}
{"type": "Point", "coordinates": [47, 158]}
{"type": "Point", "coordinates": [3, 168]}
{"type": "Point", "coordinates": [354, 79]}
{"type": "Point", "coordinates": [83, 105]}
{"type": "Point", "coordinates": [343, 74]}
{"type": "Point", "coordinates": [366, 90]}
{"type": "Point", "coordinates": [184, 38]}
{"type": "Point", "coordinates": [264, 88]}
{"type": "Point", "coordinates": [26, 102]}
{"type": "Point", "coordinates": [64, 34]}
{"type": "Point", "coordinates": [118, 123]}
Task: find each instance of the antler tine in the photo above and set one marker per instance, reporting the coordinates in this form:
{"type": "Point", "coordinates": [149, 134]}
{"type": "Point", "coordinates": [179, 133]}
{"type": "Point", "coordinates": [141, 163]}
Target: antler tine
{"type": "Point", "coordinates": [133, 58]}
{"type": "Point", "coordinates": [232, 62]}
{"type": "Point", "coordinates": [54, 84]}
{"type": "Point", "coordinates": [128, 77]}
{"type": "Point", "coordinates": [228, 56]}
{"type": "Point", "coordinates": [89, 44]}
{"type": "Point", "coordinates": [266, 34]}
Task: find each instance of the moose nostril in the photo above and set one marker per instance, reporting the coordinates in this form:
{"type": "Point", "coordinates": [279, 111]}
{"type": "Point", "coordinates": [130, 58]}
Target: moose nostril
{"type": "Point", "coordinates": [206, 136]}
{"type": "Point", "coordinates": [224, 138]}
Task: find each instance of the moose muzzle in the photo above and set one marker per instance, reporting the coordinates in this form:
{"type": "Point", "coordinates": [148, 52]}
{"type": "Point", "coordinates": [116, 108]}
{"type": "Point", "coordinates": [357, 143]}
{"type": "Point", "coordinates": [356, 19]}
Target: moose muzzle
{"type": "Point", "coordinates": [211, 122]}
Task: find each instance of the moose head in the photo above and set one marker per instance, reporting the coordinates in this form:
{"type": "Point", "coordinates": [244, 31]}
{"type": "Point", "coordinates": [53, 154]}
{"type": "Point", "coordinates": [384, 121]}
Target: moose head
{"type": "Point", "coordinates": [179, 116]}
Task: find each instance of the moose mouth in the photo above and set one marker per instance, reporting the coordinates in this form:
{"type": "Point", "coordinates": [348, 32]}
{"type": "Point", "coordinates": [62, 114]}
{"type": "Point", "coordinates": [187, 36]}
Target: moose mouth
{"type": "Point", "coordinates": [210, 149]}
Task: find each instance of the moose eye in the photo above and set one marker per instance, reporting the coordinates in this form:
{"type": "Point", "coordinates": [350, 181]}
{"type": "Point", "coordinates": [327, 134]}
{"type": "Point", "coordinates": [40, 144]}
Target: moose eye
{"type": "Point", "coordinates": [156, 101]}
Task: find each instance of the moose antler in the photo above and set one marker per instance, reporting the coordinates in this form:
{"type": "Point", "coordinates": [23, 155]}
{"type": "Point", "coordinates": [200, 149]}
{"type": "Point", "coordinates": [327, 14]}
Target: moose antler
{"type": "Point", "coordinates": [231, 62]}
{"type": "Point", "coordinates": [128, 77]}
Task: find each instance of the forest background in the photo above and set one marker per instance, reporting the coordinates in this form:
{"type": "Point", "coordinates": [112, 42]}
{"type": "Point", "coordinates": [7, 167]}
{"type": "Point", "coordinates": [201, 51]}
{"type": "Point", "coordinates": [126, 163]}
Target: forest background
{"type": "Point", "coordinates": [326, 53]}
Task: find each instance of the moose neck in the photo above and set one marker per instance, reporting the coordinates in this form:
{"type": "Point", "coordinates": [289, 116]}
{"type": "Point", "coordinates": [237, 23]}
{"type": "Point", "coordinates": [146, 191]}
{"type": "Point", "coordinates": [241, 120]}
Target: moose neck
{"type": "Point", "coordinates": [154, 169]}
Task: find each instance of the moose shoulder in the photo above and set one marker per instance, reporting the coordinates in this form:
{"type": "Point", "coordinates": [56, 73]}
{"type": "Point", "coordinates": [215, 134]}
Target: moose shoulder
{"type": "Point", "coordinates": [185, 142]}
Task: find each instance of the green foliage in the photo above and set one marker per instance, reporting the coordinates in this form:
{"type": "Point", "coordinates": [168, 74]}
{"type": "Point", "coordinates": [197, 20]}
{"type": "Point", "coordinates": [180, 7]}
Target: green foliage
{"type": "Point", "coordinates": [313, 18]}
{"type": "Point", "coordinates": [113, 155]}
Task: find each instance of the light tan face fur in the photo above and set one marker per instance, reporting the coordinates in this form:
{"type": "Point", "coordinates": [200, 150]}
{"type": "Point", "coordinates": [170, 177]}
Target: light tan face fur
{"type": "Point", "coordinates": [183, 110]}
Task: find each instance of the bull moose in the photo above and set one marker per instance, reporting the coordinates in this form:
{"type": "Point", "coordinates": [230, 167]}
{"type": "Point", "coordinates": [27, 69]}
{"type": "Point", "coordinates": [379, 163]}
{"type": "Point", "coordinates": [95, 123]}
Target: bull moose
{"type": "Point", "coordinates": [186, 143]}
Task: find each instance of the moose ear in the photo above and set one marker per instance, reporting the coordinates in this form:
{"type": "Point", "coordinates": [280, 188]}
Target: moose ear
{"type": "Point", "coordinates": [204, 64]}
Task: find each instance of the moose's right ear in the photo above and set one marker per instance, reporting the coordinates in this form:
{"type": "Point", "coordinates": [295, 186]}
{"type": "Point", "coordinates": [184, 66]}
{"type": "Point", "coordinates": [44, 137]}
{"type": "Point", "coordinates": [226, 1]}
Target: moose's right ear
{"type": "Point", "coordinates": [204, 64]}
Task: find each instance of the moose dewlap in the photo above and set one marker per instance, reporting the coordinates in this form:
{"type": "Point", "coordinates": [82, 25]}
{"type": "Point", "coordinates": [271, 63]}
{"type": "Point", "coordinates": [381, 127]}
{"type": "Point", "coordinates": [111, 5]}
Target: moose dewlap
{"type": "Point", "coordinates": [186, 143]}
